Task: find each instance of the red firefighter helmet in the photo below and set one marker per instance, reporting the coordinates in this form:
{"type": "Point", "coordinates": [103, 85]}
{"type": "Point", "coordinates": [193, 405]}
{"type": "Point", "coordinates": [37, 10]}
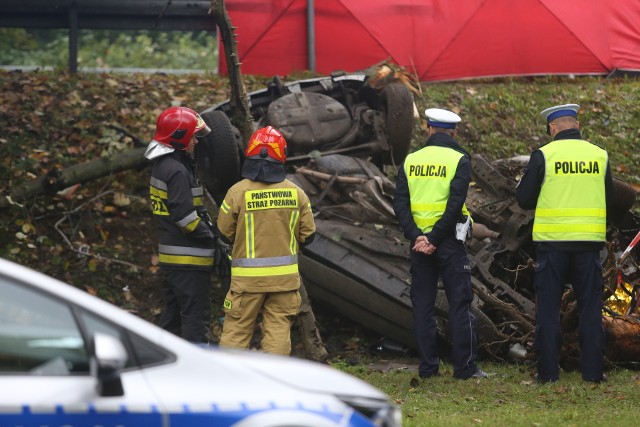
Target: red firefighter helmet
{"type": "Point", "coordinates": [176, 126]}
{"type": "Point", "coordinates": [267, 143]}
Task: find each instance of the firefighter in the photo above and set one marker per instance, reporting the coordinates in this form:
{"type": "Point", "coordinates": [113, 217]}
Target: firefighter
{"type": "Point", "coordinates": [266, 217]}
{"type": "Point", "coordinates": [568, 182]}
{"type": "Point", "coordinates": [429, 203]}
{"type": "Point", "coordinates": [186, 253]}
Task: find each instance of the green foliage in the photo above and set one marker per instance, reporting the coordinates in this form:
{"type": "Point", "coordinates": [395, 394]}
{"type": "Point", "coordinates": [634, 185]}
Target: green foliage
{"type": "Point", "coordinates": [14, 45]}
{"type": "Point", "coordinates": [509, 397]}
{"type": "Point", "coordinates": [113, 49]}
{"type": "Point", "coordinates": [500, 117]}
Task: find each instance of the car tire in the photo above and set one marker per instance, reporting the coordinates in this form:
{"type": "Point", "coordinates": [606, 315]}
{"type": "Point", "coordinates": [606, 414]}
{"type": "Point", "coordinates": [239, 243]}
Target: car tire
{"type": "Point", "coordinates": [623, 198]}
{"type": "Point", "coordinates": [218, 155]}
{"type": "Point", "coordinates": [398, 103]}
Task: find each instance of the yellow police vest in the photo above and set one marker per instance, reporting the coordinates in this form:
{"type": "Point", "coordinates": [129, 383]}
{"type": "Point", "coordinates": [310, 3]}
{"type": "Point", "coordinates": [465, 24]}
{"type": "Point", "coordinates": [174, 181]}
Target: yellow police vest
{"type": "Point", "coordinates": [571, 205]}
{"type": "Point", "coordinates": [429, 173]}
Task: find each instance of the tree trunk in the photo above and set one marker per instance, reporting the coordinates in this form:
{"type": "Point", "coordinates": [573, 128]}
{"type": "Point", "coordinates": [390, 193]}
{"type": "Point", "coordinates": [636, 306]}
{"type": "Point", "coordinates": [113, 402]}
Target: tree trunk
{"type": "Point", "coordinates": [242, 119]}
{"type": "Point", "coordinates": [57, 180]}
{"type": "Point", "coordinates": [308, 329]}
{"type": "Point", "coordinates": [623, 338]}
{"type": "Point", "coordinates": [239, 102]}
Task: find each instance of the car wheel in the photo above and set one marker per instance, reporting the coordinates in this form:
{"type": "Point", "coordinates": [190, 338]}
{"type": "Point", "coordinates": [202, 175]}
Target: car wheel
{"type": "Point", "coordinates": [399, 121]}
{"type": "Point", "coordinates": [623, 198]}
{"type": "Point", "coordinates": [218, 155]}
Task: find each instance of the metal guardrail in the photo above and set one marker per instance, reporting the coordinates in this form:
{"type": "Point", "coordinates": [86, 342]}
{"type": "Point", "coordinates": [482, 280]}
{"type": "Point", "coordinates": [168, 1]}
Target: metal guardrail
{"type": "Point", "coordinates": [97, 70]}
{"type": "Point", "coordinates": [161, 15]}
{"type": "Point", "coordinates": [185, 15]}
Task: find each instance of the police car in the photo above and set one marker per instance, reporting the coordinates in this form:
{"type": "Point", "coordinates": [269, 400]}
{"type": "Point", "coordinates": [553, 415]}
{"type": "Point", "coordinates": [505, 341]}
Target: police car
{"type": "Point", "coordinates": [70, 359]}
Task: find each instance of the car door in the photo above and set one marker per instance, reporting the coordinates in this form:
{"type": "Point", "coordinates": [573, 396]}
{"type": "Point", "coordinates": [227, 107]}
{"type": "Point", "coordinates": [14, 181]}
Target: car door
{"type": "Point", "coordinates": [48, 369]}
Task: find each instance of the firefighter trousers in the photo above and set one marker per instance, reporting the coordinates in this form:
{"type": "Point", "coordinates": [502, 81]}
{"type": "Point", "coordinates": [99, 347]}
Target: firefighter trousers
{"type": "Point", "coordinates": [278, 311]}
{"type": "Point", "coordinates": [187, 296]}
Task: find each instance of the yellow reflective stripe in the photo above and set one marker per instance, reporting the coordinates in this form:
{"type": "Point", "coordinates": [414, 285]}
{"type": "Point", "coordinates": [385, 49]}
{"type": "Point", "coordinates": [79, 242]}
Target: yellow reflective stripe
{"type": "Point", "coordinates": [292, 228]}
{"type": "Point", "coordinates": [249, 235]}
{"type": "Point", "coordinates": [184, 222]}
{"type": "Point", "coordinates": [572, 212]}
{"type": "Point", "coordinates": [158, 192]}
{"type": "Point", "coordinates": [185, 250]}
{"type": "Point", "coordinates": [569, 228]}
{"type": "Point", "coordinates": [198, 201]}
{"type": "Point", "coordinates": [438, 207]}
{"type": "Point", "coordinates": [264, 271]}
{"type": "Point", "coordinates": [191, 226]}
{"type": "Point", "coordinates": [224, 207]}
{"type": "Point", "coordinates": [185, 259]}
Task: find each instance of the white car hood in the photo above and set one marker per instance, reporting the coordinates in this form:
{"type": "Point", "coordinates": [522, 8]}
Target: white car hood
{"type": "Point", "coordinates": [305, 375]}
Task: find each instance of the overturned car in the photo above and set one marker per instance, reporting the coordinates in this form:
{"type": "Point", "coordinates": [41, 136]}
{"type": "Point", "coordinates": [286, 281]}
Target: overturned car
{"type": "Point", "coordinates": [343, 132]}
{"type": "Point", "coordinates": [341, 114]}
{"type": "Point", "coordinates": [360, 261]}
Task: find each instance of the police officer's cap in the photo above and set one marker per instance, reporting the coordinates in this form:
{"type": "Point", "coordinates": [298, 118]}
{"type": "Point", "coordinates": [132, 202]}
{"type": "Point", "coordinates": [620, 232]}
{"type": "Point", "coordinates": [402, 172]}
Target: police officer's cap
{"type": "Point", "coordinates": [560, 111]}
{"type": "Point", "coordinates": [440, 118]}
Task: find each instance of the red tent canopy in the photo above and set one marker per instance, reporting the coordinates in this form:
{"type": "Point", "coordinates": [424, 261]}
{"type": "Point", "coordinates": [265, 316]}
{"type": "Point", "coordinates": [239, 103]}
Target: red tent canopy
{"type": "Point", "coordinates": [440, 39]}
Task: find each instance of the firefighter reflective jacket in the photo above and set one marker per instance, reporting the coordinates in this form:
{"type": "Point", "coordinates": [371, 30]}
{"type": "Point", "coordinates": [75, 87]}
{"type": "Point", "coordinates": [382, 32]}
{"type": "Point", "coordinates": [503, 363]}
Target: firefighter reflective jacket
{"type": "Point", "coordinates": [266, 222]}
{"type": "Point", "coordinates": [572, 202]}
{"type": "Point", "coordinates": [429, 173]}
{"type": "Point", "coordinates": [177, 201]}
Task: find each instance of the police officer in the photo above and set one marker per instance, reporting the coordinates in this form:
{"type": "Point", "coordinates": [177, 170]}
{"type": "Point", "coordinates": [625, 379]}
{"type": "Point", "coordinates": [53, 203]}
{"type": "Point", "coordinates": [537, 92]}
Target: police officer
{"type": "Point", "coordinates": [185, 251]}
{"type": "Point", "coordinates": [568, 183]}
{"type": "Point", "coordinates": [429, 203]}
{"type": "Point", "coordinates": [266, 217]}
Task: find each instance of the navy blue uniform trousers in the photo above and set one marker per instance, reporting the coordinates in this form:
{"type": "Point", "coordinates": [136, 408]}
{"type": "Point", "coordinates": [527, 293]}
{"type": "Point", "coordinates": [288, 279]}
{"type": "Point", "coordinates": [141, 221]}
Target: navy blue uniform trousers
{"type": "Point", "coordinates": [451, 263]}
{"type": "Point", "coordinates": [584, 271]}
{"type": "Point", "coordinates": [187, 299]}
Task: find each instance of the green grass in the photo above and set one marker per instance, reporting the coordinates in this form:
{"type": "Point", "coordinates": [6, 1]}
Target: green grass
{"type": "Point", "coordinates": [509, 397]}
{"type": "Point", "coordinates": [501, 117]}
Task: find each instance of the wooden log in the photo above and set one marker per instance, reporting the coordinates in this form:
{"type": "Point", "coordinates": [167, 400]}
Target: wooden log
{"type": "Point", "coordinates": [57, 180]}
{"type": "Point", "coordinates": [239, 100]}
{"type": "Point", "coordinates": [240, 116]}
{"type": "Point", "coordinates": [491, 302]}
{"type": "Point", "coordinates": [623, 338]}
{"type": "Point", "coordinates": [308, 328]}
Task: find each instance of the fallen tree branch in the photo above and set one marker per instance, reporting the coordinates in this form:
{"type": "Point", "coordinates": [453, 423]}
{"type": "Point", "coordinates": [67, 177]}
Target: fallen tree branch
{"type": "Point", "coordinates": [85, 249]}
{"type": "Point", "coordinates": [306, 321]}
{"type": "Point", "coordinates": [136, 139]}
{"type": "Point", "coordinates": [497, 304]}
{"type": "Point", "coordinates": [56, 180]}
{"type": "Point", "coordinates": [240, 114]}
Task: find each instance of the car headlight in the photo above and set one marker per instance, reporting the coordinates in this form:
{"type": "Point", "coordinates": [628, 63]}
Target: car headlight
{"type": "Point", "coordinates": [382, 413]}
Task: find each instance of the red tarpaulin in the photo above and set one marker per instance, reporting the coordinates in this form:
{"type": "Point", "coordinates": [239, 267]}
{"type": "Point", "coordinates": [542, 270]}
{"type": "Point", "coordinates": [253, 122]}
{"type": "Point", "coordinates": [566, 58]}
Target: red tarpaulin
{"type": "Point", "coordinates": [440, 39]}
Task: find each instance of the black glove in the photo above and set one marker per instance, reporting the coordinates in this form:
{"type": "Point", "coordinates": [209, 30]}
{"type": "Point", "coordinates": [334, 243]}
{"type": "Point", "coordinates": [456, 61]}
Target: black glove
{"type": "Point", "coordinates": [222, 258]}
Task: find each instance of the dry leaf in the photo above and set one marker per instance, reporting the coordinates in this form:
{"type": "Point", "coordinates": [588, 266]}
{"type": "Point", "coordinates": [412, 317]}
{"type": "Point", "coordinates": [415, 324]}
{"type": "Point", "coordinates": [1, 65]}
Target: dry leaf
{"type": "Point", "coordinates": [119, 199]}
